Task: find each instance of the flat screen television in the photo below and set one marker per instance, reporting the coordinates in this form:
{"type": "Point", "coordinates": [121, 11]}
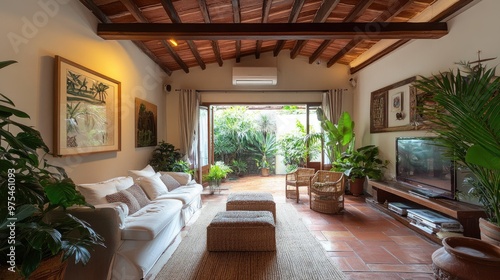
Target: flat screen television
{"type": "Point", "coordinates": [421, 164]}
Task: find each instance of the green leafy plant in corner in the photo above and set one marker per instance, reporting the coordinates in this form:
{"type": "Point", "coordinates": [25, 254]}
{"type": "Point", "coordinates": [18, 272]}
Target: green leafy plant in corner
{"type": "Point", "coordinates": [466, 118]}
{"type": "Point", "coordinates": [360, 163]}
{"type": "Point", "coordinates": [34, 195]}
{"type": "Point", "coordinates": [217, 172]}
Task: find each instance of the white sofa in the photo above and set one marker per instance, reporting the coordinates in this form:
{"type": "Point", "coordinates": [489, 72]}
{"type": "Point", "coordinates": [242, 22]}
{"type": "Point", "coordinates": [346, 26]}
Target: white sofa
{"type": "Point", "coordinates": [135, 241]}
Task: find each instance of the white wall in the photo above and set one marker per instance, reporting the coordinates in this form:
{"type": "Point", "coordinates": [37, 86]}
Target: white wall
{"type": "Point", "coordinates": [33, 32]}
{"type": "Point", "coordinates": [293, 75]}
{"type": "Point", "coordinates": [473, 30]}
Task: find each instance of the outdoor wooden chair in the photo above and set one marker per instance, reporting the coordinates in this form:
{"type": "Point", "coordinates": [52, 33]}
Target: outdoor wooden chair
{"type": "Point", "coordinates": [301, 177]}
{"type": "Point", "coordinates": [326, 194]}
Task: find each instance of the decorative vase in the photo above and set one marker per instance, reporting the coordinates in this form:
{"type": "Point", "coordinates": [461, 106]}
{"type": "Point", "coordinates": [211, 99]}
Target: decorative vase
{"type": "Point", "coordinates": [49, 269]}
{"type": "Point", "coordinates": [356, 186]}
{"type": "Point", "coordinates": [489, 232]}
{"type": "Point", "coordinates": [215, 186]}
{"type": "Point", "coordinates": [466, 258]}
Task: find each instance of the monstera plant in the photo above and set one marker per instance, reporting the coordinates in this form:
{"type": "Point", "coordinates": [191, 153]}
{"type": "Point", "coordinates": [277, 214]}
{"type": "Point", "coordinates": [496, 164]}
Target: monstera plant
{"type": "Point", "coordinates": [34, 226]}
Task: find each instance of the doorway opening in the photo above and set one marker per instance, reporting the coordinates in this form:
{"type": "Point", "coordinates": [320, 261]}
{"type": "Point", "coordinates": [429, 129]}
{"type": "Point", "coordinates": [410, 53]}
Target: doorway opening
{"type": "Point", "coordinates": [252, 137]}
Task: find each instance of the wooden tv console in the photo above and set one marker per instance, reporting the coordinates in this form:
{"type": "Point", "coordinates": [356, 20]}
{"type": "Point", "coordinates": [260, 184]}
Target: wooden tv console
{"type": "Point", "coordinates": [467, 214]}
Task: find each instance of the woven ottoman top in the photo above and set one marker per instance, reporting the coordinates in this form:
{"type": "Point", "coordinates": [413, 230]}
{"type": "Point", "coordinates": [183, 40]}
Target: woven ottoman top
{"type": "Point", "coordinates": [243, 219]}
{"type": "Point", "coordinates": [250, 197]}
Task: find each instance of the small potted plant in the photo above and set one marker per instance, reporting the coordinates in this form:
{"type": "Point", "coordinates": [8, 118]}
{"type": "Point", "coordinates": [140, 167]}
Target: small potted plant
{"type": "Point", "coordinates": [359, 164]}
{"type": "Point", "coordinates": [216, 174]}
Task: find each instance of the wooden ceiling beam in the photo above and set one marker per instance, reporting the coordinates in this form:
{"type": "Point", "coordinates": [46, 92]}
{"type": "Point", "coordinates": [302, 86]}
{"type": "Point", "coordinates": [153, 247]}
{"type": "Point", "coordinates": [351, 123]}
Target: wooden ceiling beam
{"type": "Point", "coordinates": [356, 12]}
{"type": "Point", "coordinates": [206, 17]}
{"type": "Point", "coordinates": [272, 31]}
{"type": "Point", "coordinates": [265, 16]}
{"type": "Point", "coordinates": [174, 16]}
{"type": "Point", "coordinates": [101, 16]}
{"type": "Point", "coordinates": [294, 15]}
{"type": "Point", "coordinates": [237, 19]}
{"type": "Point", "coordinates": [323, 13]}
{"type": "Point", "coordinates": [387, 15]}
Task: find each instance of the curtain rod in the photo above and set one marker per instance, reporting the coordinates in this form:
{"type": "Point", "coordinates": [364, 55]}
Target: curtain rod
{"type": "Point", "coordinates": [262, 91]}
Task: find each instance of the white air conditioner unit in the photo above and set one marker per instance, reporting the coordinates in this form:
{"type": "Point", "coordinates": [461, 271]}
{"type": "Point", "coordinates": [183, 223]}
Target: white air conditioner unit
{"type": "Point", "coordinates": [255, 75]}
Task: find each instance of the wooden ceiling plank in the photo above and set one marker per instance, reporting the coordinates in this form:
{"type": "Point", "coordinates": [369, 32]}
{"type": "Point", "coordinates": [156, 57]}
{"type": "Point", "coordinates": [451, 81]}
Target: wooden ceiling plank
{"type": "Point", "coordinates": [441, 16]}
{"type": "Point", "coordinates": [378, 56]}
{"type": "Point", "coordinates": [104, 19]}
{"type": "Point", "coordinates": [387, 15]}
{"type": "Point", "coordinates": [324, 11]}
{"type": "Point", "coordinates": [358, 10]}
{"type": "Point", "coordinates": [175, 56]}
{"type": "Point", "coordinates": [206, 17]}
{"type": "Point", "coordinates": [174, 16]}
{"type": "Point", "coordinates": [294, 15]}
{"type": "Point", "coordinates": [317, 53]}
{"type": "Point", "coordinates": [134, 10]}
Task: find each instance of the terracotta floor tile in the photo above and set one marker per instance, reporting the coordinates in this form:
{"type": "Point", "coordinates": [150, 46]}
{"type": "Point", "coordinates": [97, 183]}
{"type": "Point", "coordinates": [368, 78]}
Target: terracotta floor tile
{"type": "Point", "coordinates": [401, 268]}
{"type": "Point", "coordinates": [355, 275]}
{"type": "Point", "coordinates": [376, 255]}
{"type": "Point", "coordinates": [338, 235]}
{"type": "Point", "coordinates": [410, 240]}
{"type": "Point", "coordinates": [331, 246]}
{"type": "Point", "coordinates": [371, 236]}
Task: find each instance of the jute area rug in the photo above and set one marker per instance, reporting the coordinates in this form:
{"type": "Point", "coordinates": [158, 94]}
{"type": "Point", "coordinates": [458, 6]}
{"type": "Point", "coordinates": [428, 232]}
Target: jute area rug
{"type": "Point", "coordinates": [298, 255]}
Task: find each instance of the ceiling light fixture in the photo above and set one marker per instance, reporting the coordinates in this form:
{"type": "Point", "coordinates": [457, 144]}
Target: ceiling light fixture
{"type": "Point", "coordinates": [173, 42]}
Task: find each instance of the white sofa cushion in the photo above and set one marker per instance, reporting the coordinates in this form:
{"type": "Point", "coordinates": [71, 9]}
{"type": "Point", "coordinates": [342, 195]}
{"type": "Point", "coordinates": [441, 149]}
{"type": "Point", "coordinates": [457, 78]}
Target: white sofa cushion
{"type": "Point", "coordinates": [152, 186]}
{"type": "Point", "coordinates": [186, 194]}
{"type": "Point", "coordinates": [147, 171]}
{"type": "Point", "coordinates": [150, 220]}
{"type": "Point", "coordinates": [96, 193]}
{"type": "Point", "coordinates": [123, 182]}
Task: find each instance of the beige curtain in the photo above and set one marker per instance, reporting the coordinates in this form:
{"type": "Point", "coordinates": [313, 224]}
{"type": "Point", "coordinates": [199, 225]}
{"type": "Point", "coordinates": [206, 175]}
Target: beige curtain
{"type": "Point", "coordinates": [189, 108]}
{"type": "Point", "coordinates": [332, 104]}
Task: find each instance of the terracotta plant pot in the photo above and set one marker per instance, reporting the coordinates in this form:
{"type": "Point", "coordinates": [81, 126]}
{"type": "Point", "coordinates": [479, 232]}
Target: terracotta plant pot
{"type": "Point", "coordinates": [356, 186]}
{"type": "Point", "coordinates": [489, 232]}
{"type": "Point", "coordinates": [49, 269]}
{"type": "Point", "coordinates": [466, 258]}
{"type": "Point", "coordinates": [264, 172]}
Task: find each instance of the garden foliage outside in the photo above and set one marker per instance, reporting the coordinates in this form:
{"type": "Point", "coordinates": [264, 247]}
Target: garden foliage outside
{"type": "Point", "coordinates": [248, 140]}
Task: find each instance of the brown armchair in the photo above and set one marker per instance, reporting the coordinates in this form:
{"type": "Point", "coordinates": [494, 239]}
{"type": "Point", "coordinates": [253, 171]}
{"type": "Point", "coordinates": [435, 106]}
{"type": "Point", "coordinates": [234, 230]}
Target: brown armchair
{"type": "Point", "coordinates": [326, 194]}
{"type": "Point", "coordinates": [301, 177]}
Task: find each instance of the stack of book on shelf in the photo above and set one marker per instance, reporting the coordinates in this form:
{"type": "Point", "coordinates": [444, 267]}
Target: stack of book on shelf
{"type": "Point", "coordinates": [433, 222]}
{"type": "Point", "coordinates": [401, 208]}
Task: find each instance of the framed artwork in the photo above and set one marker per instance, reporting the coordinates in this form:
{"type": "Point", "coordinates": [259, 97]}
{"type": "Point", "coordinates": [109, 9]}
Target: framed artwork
{"type": "Point", "coordinates": [393, 108]}
{"type": "Point", "coordinates": [146, 117]}
{"type": "Point", "coordinates": [86, 110]}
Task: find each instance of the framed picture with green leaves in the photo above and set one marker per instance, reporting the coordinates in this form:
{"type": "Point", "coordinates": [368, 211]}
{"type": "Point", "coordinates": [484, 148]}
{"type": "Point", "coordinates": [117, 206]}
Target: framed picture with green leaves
{"type": "Point", "coordinates": [86, 110]}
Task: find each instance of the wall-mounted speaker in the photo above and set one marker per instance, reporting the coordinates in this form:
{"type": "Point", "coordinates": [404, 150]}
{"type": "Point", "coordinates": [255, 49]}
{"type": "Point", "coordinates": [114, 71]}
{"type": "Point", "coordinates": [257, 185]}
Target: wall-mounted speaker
{"type": "Point", "coordinates": [167, 88]}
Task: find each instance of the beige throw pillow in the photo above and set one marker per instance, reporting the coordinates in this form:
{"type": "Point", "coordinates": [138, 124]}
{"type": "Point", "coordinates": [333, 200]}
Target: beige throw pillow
{"type": "Point", "coordinates": [152, 186]}
{"type": "Point", "coordinates": [127, 198]}
{"type": "Point", "coordinates": [147, 171]}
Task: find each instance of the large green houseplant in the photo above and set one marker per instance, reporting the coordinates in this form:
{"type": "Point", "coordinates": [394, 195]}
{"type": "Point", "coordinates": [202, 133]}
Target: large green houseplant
{"type": "Point", "coordinates": [338, 138]}
{"type": "Point", "coordinates": [33, 224]}
{"type": "Point", "coordinates": [359, 164]}
{"type": "Point", "coordinates": [168, 158]}
{"type": "Point", "coordinates": [466, 119]}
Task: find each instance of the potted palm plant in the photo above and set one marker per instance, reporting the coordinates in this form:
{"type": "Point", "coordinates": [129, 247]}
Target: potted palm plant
{"type": "Point", "coordinates": [466, 119]}
{"type": "Point", "coordinates": [359, 164]}
{"type": "Point", "coordinates": [35, 231]}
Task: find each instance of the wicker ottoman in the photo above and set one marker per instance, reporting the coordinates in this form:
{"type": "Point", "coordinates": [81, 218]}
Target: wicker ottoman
{"type": "Point", "coordinates": [242, 231]}
{"type": "Point", "coordinates": [251, 201]}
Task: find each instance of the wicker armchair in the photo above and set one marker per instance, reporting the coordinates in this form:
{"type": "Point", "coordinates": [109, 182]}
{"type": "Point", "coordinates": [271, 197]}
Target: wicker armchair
{"type": "Point", "coordinates": [326, 194]}
{"type": "Point", "coordinates": [301, 177]}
